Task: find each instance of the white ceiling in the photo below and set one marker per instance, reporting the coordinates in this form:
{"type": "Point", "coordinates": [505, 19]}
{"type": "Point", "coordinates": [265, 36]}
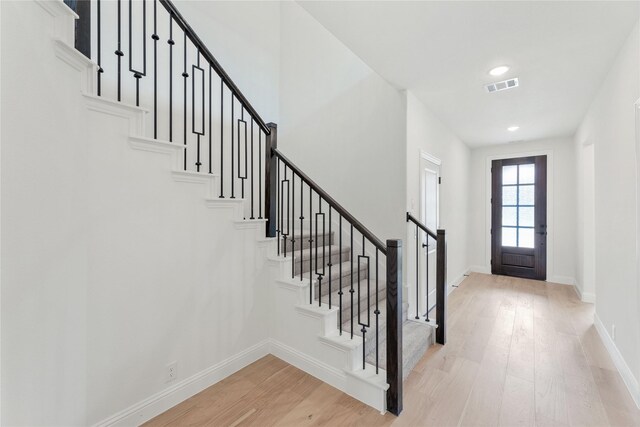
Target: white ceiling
{"type": "Point", "coordinates": [442, 52]}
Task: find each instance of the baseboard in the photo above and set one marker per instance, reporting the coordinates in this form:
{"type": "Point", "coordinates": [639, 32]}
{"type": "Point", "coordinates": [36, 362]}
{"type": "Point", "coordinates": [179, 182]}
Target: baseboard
{"type": "Point", "coordinates": [480, 269]}
{"type": "Point", "coordinates": [562, 280]}
{"type": "Point", "coordinates": [160, 402]}
{"type": "Point", "coordinates": [588, 297]}
{"type": "Point", "coordinates": [625, 372]}
{"type": "Point", "coordinates": [364, 386]}
{"type": "Point", "coordinates": [312, 366]}
{"type": "Point", "coordinates": [453, 284]}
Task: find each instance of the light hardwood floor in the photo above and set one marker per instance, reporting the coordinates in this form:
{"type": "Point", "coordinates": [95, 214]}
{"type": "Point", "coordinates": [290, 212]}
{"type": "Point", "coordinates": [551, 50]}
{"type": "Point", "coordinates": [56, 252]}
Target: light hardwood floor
{"type": "Point", "coordinates": [519, 352]}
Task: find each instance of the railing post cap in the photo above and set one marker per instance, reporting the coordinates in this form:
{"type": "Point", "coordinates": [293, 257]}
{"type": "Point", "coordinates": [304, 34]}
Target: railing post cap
{"type": "Point", "coordinates": [440, 231]}
{"type": "Point", "coordinates": [394, 243]}
{"type": "Point", "coordinates": [272, 125]}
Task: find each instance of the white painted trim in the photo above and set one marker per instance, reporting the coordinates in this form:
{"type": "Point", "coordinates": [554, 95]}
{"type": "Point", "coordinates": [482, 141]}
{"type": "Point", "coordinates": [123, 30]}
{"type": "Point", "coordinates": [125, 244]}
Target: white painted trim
{"type": "Point", "coordinates": [625, 372]}
{"type": "Point", "coordinates": [63, 19]}
{"type": "Point", "coordinates": [550, 203]}
{"type": "Point", "coordinates": [562, 280]}
{"type": "Point", "coordinates": [76, 60]}
{"type": "Point", "coordinates": [456, 282]}
{"type": "Point", "coordinates": [480, 269]}
{"type": "Point", "coordinates": [135, 115]}
{"type": "Point", "coordinates": [431, 158]}
{"type": "Point", "coordinates": [196, 178]}
{"type": "Point", "coordinates": [332, 376]}
{"type": "Point", "coordinates": [587, 297]}
{"type": "Point", "coordinates": [57, 8]}
{"type": "Point", "coordinates": [348, 382]}
{"type": "Point", "coordinates": [158, 403]}
{"type": "Point", "coordinates": [246, 224]}
{"type": "Point", "coordinates": [176, 151]}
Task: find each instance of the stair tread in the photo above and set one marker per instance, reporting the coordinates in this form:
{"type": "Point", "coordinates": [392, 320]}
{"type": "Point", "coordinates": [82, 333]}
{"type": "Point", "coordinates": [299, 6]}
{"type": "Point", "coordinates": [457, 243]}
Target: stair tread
{"type": "Point", "coordinates": [335, 273]}
{"type": "Point", "coordinates": [309, 252]}
{"type": "Point", "coordinates": [335, 297]}
{"type": "Point", "coordinates": [305, 233]}
{"type": "Point", "coordinates": [416, 338]}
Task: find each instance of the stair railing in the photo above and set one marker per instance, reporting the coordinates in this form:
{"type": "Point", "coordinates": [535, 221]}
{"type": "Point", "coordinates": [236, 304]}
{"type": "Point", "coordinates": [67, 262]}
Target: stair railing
{"type": "Point", "coordinates": [148, 55]}
{"type": "Point", "coordinates": [300, 213]}
{"type": "Point", "coordinates": [193, 102]}
{"type": "Point", "coordinates": [440, 304]}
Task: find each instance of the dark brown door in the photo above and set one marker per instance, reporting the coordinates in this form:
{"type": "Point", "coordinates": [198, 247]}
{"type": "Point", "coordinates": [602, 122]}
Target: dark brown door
{"type": "Point", "coordinates": [519, 217]}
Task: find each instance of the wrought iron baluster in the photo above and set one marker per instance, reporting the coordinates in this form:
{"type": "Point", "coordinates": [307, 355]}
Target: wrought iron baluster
{"type": "Point", "coordinates": [290, 223]}
{"type": "Point", "coordinates": [366, 324]}
{"type": "Point", "coordinates": [330, 256]}
{"type": "Point", "coordinates": [318, 272]}
{"type": "Point", "coordinates": [340, 293]}
{"type": "Point", "coordinates": [118, 51]}
{"type": "Point", "coordinates": [284, 213]}
{"type": "Point", "coordinates": [242, 174]}
{"type": "Point", "coordinates": [426, 272]}
{"type": "Point", "coordinates": [259, 173]}
{"type": "Point", "coordinates": [279, 213]}
{"type": "Point", "coordinates": [221, 196]}
{"type": "Point", "coordinates": [351, 290]}
{"type": "Point", "coordinates": [233, 194]}
{"type": "Point", "coordinates": [185, 75]}
{"type": "Point", "coordinates": [377, 313]}
{"type": "Point", "coordinates": [171, 42]}
{"type": "Point", "coordinates": [137, 74]}
{"type": "Point", "coordinates": [155, 38]}
{"type": "Point", "coordinates": [252, 171]}
{"type": "Point", "coordinates": [99, 41]}
{"type": "Point", "coordinates": [301, 223]}
{"type": "Point", "coordinates": [199, 131]}
{"type": "Point", "coordinates": [311, 245]}
{"type": "Point", "coordinates": [417, 273]}
{"type": "Point", "coordinates": [210, 124]}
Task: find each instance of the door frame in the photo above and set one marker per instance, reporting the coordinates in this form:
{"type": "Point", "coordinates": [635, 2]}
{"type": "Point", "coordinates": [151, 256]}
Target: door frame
{"type": "Point", "coordinates": [551, 277]}
{"type": "Point", "coordinates": [436, 161]}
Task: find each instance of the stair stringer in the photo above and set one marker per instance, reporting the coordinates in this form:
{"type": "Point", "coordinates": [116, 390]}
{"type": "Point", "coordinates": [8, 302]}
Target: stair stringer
{"type": "Point", "coordinates": [306, 336]}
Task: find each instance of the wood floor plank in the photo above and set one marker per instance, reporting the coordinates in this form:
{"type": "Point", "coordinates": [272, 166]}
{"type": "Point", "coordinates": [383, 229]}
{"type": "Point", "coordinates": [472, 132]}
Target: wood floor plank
{"type": "Point", "coordinates": [519, 352]}
{"type": "Point", "coordinates": [518, 403]}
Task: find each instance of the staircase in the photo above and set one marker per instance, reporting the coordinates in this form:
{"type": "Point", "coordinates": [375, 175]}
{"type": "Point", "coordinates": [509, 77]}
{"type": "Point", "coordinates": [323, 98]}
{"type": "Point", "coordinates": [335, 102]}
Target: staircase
{"type": "Point", "coordinates": [337, 306]}
{"type": "Point", "coordinates": [417, 336]}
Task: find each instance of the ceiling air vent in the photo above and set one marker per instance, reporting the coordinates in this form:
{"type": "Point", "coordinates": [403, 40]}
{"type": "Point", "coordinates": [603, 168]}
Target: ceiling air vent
{"type": "Point", "coordinates": [503, 85]}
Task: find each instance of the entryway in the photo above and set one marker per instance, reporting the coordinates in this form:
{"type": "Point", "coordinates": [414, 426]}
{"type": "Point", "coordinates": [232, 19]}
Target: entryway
{"type": "Point", "coordinates": [519, 217]}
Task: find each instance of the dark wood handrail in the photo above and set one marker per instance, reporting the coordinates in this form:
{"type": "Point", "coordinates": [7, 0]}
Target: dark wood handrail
{"type": "Point", "coordinates": [179, 19]}
{"type": "Point", "coordinates": [423, 227]}
{"type": "Point", "coordinates": [334, 204]}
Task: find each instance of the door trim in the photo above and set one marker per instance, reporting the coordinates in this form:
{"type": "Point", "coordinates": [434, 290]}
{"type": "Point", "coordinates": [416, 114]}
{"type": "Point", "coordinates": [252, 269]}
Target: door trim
{"type": "Point", "coordinates": [551, 277]}
{"type": "Point", "coordinates": [433, 159]}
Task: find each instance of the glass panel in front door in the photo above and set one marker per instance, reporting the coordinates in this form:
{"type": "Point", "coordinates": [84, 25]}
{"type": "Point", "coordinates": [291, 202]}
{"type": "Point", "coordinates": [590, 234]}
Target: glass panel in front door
{"type": "Point", "coordinates": [518, 205]}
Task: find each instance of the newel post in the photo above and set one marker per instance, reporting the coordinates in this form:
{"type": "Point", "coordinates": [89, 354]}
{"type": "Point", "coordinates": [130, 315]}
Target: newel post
{"type": "Point", "coordinates": [394, 326]}
{"type": "Point", "coordinates": [270, 177]}
{"type": "Point", "coordinates": [441, 288]}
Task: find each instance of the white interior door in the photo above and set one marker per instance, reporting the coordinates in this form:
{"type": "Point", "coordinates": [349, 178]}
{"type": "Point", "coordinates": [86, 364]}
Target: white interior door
{"type": "Point", "coordinates": [430, 216]}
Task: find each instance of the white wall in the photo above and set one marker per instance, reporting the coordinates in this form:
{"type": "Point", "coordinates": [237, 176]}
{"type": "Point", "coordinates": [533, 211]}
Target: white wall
{"type": "Point", "coordinates": [585, 220]}
{"type": "Point", "coordinates": [110, 269]}
{"type": "Point", "coordinates": [245, 39]}
{"type": "Point", "coordinates": [425, 132]}
{"type": "Point", "coordinates": [610, 126]}
{"type": "Point", "coordinates": [342, 123]}
{"type": "Point", "coordinates": [561, 204]}
{"type": "Point", "coordinates": [44, 222]}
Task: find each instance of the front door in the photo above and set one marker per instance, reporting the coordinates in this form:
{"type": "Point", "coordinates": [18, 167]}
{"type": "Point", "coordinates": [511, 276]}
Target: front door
{"type": "Point", "coordinates": [519, 217]}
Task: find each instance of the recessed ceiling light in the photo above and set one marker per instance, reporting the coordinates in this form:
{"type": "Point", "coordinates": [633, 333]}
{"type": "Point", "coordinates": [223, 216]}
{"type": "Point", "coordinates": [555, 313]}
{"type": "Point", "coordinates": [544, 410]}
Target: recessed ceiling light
{"type": "Point", "coordinates": [513, 128]}
{"type": "Point", "coordinates": [498, 71]}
